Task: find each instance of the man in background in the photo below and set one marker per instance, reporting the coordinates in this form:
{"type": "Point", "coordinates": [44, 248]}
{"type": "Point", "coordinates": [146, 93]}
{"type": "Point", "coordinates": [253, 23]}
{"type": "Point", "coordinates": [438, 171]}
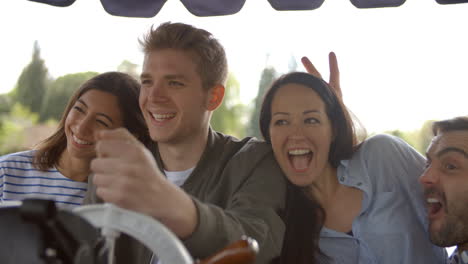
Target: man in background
{"type": "Point", "coordinates": [445, 183]}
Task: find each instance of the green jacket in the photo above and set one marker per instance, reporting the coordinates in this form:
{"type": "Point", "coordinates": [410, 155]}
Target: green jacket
{"type": "Point", "coordinates": [238, 188]}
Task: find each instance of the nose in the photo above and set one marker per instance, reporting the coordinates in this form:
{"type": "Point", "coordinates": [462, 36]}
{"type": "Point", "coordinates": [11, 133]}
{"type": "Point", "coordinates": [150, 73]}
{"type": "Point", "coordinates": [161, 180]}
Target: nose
{"type": "Point", "coordinates": [429, 176]}
{"type": "Point", "coordinates": [297, 131]}
{"type": "Point", "coordinates": [85, 126]}
{"type": "Point", "coordinates": [158, 92]}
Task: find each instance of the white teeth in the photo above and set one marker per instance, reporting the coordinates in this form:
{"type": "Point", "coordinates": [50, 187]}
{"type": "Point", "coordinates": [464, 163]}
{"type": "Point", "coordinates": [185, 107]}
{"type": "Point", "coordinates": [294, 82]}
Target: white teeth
{"type": "Point", "coordinates": [432, 200]}
{"type": "Point", "coordinates": [162, 116]}
{"type": "Point", "coordinates": [82, 142]}
{"type": "Point", "coordinates": [299, 151]}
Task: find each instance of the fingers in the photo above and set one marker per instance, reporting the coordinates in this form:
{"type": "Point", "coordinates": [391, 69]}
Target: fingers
{"type": "Point", "coordinates": [310, 68]}
{"type": "Point", "coordinates": [114, 142]}
{"type": "Point", "coordinates": [334, 74]}
{"type": "Point", "coordinates": [118, 134]}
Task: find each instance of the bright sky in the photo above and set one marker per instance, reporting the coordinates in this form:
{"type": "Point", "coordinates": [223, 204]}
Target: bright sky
{"type": "Point", "coordinates": [399, 66]}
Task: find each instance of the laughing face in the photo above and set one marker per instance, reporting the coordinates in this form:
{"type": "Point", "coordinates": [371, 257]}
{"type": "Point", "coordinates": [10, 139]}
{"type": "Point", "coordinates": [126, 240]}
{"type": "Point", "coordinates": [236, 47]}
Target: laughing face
{"type": "Point", "coordinates": [94, 111]}
{"type": "Point", "coordinates": [172, 98]}
{"type": "Point", "coordinates": [445, 184]}
{"type": "Point", "coordinates": [301, 134]}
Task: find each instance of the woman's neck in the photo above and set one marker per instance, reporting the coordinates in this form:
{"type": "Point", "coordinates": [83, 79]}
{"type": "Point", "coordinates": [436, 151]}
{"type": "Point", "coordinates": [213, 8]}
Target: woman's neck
{"type": "Point", "coordinates": [325, 187]}
{"type": "Point", "coordinates": [341, 203]}
{"type": "Point", "coordinates": [73, 168]}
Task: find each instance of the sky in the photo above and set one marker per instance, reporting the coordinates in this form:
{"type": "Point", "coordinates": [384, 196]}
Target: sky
{"type": "Point", "coordinates": [399, 66]}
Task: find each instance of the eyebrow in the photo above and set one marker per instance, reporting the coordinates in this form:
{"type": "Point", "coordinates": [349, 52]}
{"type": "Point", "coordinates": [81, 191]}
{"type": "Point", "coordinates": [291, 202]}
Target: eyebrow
{"type": "Point", "coordinates": [145, 75]}
{"type": "Point", "coordinates": [452, 149]}
{"type": "Point", "coordinates": [175, 76]}
{"type": "Point", "coordinates": [305, 112]}
{"type": "Point", "coordinates": [99, 114]}
{"type": "Point", "coordinates": [167, 77]}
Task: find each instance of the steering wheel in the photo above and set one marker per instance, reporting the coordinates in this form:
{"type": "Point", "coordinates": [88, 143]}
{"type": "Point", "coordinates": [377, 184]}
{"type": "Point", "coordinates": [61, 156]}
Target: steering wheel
{"type": "Point", "coordinates": [38, 232]}
{"type": "Point", "coordinates": [114, 220]}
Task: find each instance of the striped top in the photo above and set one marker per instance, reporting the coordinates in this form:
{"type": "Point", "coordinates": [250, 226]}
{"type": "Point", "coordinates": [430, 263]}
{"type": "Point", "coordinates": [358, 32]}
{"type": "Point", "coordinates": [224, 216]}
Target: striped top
{"type": "Point", "coordinates": [20, 180]}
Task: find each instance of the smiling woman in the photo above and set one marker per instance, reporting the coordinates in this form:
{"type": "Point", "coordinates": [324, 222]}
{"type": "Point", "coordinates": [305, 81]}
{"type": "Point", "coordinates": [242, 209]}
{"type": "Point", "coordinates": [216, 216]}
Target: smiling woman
{"type": "Point", "coordinates": [59, 167]}
{"type": "Point", "coordinates": [346, 202]}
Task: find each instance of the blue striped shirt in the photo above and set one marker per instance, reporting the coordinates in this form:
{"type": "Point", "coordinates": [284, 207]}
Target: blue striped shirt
{"type": "Point", "coordinates": [19, 179]}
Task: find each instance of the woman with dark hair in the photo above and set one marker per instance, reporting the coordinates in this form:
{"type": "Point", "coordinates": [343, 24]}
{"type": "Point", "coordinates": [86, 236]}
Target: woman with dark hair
{"type": "Point", "coordinates": [59, 167]}
{"type": "Point", "coordinates": [347, 202]}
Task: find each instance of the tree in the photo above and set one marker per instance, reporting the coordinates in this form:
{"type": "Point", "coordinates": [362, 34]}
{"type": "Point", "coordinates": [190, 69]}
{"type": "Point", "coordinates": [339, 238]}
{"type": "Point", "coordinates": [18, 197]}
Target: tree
{"type": "Point", "coordinates": [5, 103]}
{"type": "Point", "coordinates": [425, 136]}
{"type": "Point", "coordinates": [60, 92]}
{"type": "Point", "coordinates": [269, 74]}
{"type": "Point", "coordinates": [129, 68]}
{"type": "Point", "coordinates": [227, 118]}
{"type": "Point", "coordinates": [13, 126]}
{"type": "Point", "coordinates": [292, 65]}
{"type": "Point", "coordinates": [32, 83]}
{"type": "Point", "coordinates": [419, 138]}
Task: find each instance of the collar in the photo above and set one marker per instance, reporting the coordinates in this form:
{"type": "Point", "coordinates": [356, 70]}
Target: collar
{"type": "Point", "coordinates": [351, 173]}
{"type": "Point", "coordinates": [459, 257]}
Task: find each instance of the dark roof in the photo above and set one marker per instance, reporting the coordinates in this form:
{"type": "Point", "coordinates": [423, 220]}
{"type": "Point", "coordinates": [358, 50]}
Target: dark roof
{"type": "Point", "coordinates": [149, 8]}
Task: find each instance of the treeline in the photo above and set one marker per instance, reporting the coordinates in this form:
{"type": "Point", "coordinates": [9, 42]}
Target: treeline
{"type": "Point", "coordinates": [37, 101]}
{"type": "Point", "coordinates": [30, 112]}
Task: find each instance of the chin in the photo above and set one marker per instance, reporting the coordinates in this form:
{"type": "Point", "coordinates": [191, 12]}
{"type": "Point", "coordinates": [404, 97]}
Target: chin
{"type": "Point", "coordinates": [300, 181]}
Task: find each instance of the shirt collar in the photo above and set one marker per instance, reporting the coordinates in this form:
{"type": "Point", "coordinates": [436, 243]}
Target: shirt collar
{"type": "Point", "coordinates": [459, 257]}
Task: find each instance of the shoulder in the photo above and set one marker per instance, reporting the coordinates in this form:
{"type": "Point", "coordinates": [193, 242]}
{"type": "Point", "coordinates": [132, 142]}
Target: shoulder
{"type": "Point", "coordinates": [18, 156]}
{"type": "Point", "coordinates": [19, 161]}
{"type": "Point", "coordinates": [386, 154]}
{"type": "Point", "coordinates": [246, 154]}
{"type": "Point", "coordinates": [384, 145]}
{"type": "Point", "coordinates": [248, 147]}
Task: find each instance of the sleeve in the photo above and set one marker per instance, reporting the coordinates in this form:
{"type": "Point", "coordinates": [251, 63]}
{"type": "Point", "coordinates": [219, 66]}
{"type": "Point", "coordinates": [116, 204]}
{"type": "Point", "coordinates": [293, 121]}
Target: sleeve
{"type": "Point", "coordinates": [253, 210]}
{"type": "Point", "coordinates": [2, 177]}
{"type": "Point", "coordinates": [2, 183]}
{"type": "Point", "coordinates": [405, 165]}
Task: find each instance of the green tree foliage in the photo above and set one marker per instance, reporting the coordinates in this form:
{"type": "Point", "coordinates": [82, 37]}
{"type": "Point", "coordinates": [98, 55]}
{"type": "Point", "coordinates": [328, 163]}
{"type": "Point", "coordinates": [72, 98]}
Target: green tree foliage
{"type": "Point", "coordinates": [227, 118]}
{"type": "Point", "coordinates": [5, 103]}
{"type": "Point", "coordinates": [59, 93]}
{"type": "Point", "coordinates": [129, 68]}
{"type": "Point", "coordinates": [12, 127]}
{"type": "Point", "coordinates": [32, 83]}
{"type": "Point", "coordinates": [425, 136]}
{"type": "Point", "coordinates": [269, 74]}
{"type": "Point", "coordinates": [419, 139]}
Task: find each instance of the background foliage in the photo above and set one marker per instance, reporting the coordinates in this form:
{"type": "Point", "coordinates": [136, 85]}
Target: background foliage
{"type": "Point", "coordinates": [30, 112]}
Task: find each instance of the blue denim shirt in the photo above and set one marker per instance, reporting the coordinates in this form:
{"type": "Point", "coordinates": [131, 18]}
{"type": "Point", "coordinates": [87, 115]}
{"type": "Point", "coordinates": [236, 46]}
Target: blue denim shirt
{"type": "Point", "coordinates": [392, 225]}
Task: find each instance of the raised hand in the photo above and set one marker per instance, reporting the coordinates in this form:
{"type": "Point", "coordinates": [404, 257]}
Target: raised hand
{"type": "Point", "coordinates": [334, 81]}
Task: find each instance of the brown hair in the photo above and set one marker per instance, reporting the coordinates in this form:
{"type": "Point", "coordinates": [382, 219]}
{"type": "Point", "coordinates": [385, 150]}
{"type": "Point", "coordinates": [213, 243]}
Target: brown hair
{"type": "Point", "coordinates": [304, 216]}
{"type": "Point", "coordinates": [345, 136]}
{"type": "Point", "coordinates": [125, 88]}
{"type": "Point", "coordinates": [209, 54]}
{"type": "Point", "coordinates": [453, 124]}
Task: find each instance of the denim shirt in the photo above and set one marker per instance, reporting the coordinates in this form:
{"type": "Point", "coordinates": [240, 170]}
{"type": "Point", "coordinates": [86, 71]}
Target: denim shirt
{"type": "Point", "coordinates": [392, 225]}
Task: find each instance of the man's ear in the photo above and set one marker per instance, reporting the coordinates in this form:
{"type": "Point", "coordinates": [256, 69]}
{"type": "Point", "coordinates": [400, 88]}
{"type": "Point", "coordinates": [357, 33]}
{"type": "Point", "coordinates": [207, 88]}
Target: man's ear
{"type": "Point", "coordinates": [215, 97]}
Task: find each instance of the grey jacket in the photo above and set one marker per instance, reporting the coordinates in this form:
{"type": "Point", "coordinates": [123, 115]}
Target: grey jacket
{"type": "Point", "coordinates": [238, 188]}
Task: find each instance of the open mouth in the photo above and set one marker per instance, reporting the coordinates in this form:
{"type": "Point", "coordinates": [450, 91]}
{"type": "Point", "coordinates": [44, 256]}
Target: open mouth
{"type": "Point", "coordinates": [162, 117]}
{"type": "Point", "coordinates": [434, 207]}
{"type": "Point", "coordinates": [300, 159]}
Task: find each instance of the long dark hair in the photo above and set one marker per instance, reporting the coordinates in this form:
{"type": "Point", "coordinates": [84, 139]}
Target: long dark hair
{"type": "Point", "coordinates": [125, 88]}
{"type": "Point", "coordinates": [304, 216]}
